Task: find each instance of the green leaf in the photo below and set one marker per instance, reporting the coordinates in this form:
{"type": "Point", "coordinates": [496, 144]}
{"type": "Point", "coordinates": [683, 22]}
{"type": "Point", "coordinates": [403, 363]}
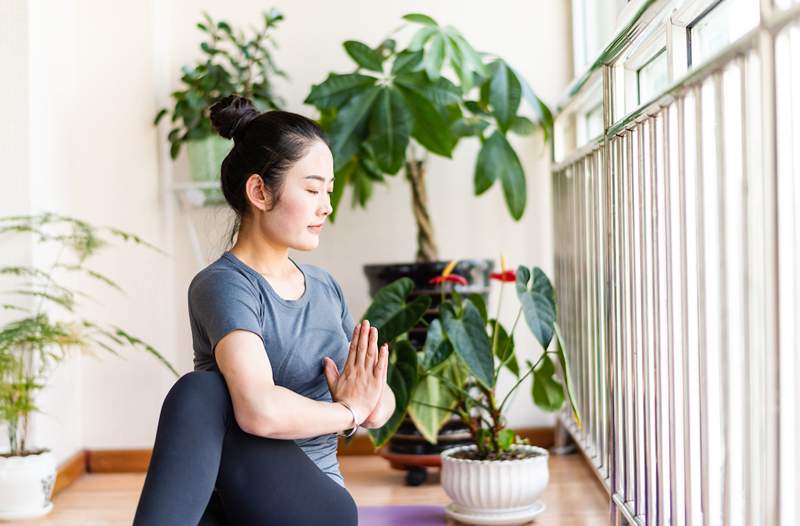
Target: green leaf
{"type": "Point", "coordinates": [505, 438]}
{"type": "Point", "coordinates": [389, 130]}
{"type": "Point", "coordinates": [350, 125]}
{"type": "Point", "coordinates": [497, 158]}
{"type": "Point", "coordinates": [434, 58]}
{"type": "Point", "coordinates": [402, 381]}
{"type": "Point", "coordinates": [547, 392]}
{"type": "Point", "coordinates": [431, 130]}
{"type": "Point", "coordinates": [442, 93]}
{"type": "Point", "coordinates": [471, 57]}
{"type": "Point", "coordinates": [471, 342]}
{"type": "Point", "coordinates": [522, 125]}
{"type": "Point", "coordinates": [364, 55]}
{"type": "Point", "coordinates": [538, 303]}
{"type": "Point", "coordinates": [437, 347]}
{"type": "Point", "coordinates": [406, 61]}
{"type": "Point", "coordinates": [545, 116]}
{"type": "Point", "coordinates": [505, 350]}
{"type": "Point", "coordinates": [420, 19]}
{"type": "Point", "coordinates": [562, 358]}
{"type": "Point", "coordinates": [428, 419]}
{"type": "Point", "coordinates": [337, 90]}
{"type": "Point", "coordinates": [505, 94]}
{"type": "Point", "coordinates": [421, 37]}
{"type": "Point", "coordinates": [469, 126]}
{"type": "Point", "coordinates": [390, 313]}
{"type": "Point", "coordinates": [480, 304]}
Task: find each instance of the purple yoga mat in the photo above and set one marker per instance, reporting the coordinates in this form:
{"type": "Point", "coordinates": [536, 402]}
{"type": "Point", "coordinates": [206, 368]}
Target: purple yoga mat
{"type": "Point", "coordinates": [401, 516]}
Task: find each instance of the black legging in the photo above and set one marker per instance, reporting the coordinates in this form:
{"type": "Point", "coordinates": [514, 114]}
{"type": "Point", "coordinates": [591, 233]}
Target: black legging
{"type": "Point", "coordinates": [258, 480]}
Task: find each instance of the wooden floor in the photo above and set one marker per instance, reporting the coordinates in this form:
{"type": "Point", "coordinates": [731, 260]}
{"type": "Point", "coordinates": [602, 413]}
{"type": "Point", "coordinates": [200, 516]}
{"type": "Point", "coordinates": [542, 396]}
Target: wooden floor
{"type": "Point", "coordinates": [573, 497]}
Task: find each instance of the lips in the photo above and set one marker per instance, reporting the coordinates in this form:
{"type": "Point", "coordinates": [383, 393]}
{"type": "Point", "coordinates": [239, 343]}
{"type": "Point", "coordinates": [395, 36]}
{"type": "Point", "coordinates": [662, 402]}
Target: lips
{"type": "Point", "coordinates": [315, 228]}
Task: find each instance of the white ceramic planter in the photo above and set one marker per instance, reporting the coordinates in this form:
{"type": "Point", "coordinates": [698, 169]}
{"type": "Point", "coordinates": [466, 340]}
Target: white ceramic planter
{"type": "Point", "coordinates": [26, 486]}
{"type": "Point", "coordinates": [495, 491]}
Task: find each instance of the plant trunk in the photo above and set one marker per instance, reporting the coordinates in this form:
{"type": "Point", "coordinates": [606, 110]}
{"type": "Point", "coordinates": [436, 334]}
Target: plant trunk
{"type": "Point", "coordinates": [427, 251]}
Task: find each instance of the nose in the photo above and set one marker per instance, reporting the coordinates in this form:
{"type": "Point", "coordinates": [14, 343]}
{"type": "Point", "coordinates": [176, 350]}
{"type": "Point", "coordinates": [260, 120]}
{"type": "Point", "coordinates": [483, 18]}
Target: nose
{"type": "Point", "coordinates": [327, 209]}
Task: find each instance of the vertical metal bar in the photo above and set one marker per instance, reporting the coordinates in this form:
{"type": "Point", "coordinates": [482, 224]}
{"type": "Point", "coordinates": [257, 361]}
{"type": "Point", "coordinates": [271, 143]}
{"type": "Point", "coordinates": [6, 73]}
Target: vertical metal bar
{"type": "Point", "coordinates": [723, 278]}
{"type": "Point", "coordinates": [587, 308]}
{"type": "Point", "coordinates": [630, 339]}
{"type": "Point", "coordinates": [747, 446]}
{"type": "Point", "coordinates": [703, 362]}
{"type": "Point", "coordinates": [644, 309]}
{"type": "Point", "coordinates": [687, 438]}
{"type": "Point", "coordinates": [770, 381]}
{"type": "Point", "coordinates": [669, 305]}
{"type": "Point", "coordinates": [656, 335]}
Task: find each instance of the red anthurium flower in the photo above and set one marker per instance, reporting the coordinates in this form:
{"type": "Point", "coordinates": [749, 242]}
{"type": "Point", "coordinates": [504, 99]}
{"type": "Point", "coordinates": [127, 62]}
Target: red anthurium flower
{"type": "Point", "coordinates": [506, 277]}
{"type": "Point", "coordinates": [453, 278]}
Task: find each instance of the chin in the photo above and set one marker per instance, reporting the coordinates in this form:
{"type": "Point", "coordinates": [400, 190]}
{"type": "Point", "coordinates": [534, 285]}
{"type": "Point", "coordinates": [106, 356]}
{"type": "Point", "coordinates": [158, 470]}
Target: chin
{"type": "Point", "coordinates": [307, 245]}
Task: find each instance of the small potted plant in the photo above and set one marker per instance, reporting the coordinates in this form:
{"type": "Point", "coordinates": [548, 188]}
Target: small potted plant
{"type": "Point", "coordinates": [456, 373]}
{"type": "Point", "coordinates": [234, 63]}
{"type": "Point", "coordinates": [31, 345]}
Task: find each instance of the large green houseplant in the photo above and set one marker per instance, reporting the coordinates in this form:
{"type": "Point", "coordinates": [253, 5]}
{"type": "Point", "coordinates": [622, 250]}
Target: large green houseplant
{"type": "Point", "coordinates": [48, 326]}
{"type": "Point", "coordinates": [402, 103]}
{"type": "Point", "coordinates": [233, 63]}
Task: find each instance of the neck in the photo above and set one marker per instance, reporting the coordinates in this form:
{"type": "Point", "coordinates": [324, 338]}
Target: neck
{"type": "Point", "coordinates": [262, 254]}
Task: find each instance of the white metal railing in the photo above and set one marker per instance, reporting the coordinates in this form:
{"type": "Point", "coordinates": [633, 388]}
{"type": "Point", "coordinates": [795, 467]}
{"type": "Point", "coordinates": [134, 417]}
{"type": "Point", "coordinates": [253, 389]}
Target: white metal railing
{"type": "Point", "coordinates": [678, 277]}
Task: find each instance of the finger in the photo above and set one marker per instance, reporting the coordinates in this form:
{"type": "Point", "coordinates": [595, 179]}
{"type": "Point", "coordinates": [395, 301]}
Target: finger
{"type": "Point", "coordinates": [331, 374]}
{"type": "Point", "coordinates": [351, 353]}
{"type": "Point", "coordinates": [382, 352]}
{"type": "Point", "coordinates": [372, 349]}
{"type": "Point", "coordinates": [363, 341]}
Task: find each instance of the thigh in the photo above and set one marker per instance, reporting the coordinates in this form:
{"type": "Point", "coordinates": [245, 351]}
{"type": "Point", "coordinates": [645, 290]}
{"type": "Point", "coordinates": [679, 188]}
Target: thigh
{"type": "Point", "coordinates": [195, 416]}
{"type": "Point", "coordinates": [268, 481]}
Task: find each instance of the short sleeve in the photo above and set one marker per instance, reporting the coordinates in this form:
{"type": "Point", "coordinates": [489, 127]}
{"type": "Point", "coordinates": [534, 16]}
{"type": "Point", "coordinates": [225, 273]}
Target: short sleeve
{"type": "Point", "coordinates": [222, 302]}
{"type": "Point", "coordinates": [348, 325]}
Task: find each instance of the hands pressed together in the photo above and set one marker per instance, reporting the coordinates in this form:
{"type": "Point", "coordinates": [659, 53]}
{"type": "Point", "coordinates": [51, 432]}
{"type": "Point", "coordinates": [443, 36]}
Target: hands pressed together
{"type": "Point", "coordinates": [360, 385]}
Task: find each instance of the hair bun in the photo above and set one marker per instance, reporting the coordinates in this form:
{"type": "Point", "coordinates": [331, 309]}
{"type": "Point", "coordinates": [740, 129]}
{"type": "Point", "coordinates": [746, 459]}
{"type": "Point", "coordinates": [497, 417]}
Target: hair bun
{"type": "Point", "coordinates": [231, 115]}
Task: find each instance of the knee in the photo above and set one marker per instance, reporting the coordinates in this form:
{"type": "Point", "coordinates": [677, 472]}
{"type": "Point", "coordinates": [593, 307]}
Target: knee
{"type": "Point", "coordinates": [346, 512]}
{"type": "Point", "coordinates": [198, 390]}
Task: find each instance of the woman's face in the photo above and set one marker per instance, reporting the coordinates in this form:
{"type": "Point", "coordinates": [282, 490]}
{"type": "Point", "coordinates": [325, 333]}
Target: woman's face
{"type": "Point", "coordinates": [304, 204]}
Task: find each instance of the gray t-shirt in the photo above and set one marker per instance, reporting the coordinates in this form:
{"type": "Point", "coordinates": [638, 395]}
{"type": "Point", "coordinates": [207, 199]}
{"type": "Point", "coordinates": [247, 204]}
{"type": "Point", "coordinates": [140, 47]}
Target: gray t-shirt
{"type": "Point", "coordinates": [297, 334]}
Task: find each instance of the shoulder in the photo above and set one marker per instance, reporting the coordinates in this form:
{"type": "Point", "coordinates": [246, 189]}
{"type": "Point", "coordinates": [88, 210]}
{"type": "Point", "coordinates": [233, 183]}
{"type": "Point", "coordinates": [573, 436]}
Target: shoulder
{"type": "Point", "coordinates": [322, 276]}
{"type": "Point", "coordinates": [221, 278]}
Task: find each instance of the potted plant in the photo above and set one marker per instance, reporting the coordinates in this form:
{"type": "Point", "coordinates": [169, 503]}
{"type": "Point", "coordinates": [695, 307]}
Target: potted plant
{"type": "Point", "coordinates": [234, 63]}
{"type": "Point", "coordinates": [402, 104]}
{"type": "Point", "coordinates": [32, 344]}
{"type": "Point", "coordinates": [456, 372]}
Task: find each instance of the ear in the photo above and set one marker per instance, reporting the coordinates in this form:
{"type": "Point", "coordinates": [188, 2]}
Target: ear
{"type": "Point", "coordinates": [257, 192]}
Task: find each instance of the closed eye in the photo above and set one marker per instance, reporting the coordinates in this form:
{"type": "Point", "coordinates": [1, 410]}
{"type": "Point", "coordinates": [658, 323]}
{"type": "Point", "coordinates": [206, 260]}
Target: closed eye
{"type": "Point", "coordinates": [316, 192]}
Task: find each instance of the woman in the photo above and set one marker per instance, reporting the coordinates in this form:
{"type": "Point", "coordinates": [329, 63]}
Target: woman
{"type": "Point", "coordinates": [256, 421]}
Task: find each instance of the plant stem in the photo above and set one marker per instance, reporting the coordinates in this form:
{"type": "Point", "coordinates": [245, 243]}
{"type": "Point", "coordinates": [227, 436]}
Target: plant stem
{"type": "Point", "coordinates": [530, 370]}
{"type": "Point", "coordinates": [427, 251]}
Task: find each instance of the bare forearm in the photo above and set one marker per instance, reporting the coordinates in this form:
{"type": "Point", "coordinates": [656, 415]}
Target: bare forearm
{"type": "Point", "coordinates": [293, 416]}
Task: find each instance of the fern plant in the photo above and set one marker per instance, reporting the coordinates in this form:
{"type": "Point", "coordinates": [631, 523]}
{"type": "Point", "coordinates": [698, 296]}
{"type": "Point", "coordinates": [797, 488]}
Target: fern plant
{"type": "Point", "coordinates": [42, 336]}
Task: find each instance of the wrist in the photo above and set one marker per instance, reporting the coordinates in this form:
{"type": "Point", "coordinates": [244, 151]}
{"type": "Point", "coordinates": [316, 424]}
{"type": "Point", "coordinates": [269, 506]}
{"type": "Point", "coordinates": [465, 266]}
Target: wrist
{"type": "Point", "coordinates": [355, 418]}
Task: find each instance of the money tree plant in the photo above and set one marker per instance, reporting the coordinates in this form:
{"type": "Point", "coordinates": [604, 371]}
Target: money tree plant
{"type": "Point", "coordinates": [403, 103]}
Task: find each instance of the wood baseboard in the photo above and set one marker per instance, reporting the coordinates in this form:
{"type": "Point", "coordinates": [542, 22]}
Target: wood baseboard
{"type": "Point", "coordinates": [137, 460]}
{"type": "Point", "coordinates": [69, 471]}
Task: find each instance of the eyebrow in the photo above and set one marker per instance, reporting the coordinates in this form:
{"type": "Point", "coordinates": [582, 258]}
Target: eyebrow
{"type": "Point", "coordinates": [319, 178]}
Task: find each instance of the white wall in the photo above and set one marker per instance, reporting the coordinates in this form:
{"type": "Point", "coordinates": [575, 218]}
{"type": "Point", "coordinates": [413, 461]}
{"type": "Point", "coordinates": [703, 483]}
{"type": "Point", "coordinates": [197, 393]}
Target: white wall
{"type": "Point", "coordinates": [98, 80]}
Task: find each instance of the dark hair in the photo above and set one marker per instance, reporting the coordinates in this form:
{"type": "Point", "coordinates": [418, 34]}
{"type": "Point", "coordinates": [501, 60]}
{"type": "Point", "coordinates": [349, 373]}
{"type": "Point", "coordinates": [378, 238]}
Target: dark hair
{"type": "Point", "coordinates": [267, 144]}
